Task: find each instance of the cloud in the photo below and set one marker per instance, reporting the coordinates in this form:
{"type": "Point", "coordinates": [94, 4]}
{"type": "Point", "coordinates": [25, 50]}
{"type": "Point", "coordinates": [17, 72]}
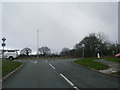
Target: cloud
{"type": "Point", "coordinates": [60, 24]}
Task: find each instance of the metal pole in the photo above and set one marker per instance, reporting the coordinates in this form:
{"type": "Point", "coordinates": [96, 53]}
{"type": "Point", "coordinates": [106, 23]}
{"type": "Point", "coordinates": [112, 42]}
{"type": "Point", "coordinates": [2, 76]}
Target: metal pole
{"type": "Point", "coordinates": [83, 52]}
{"type": "Point", "coordinates": [83, 45]}
{"type": "Point", "coordinates": [37, 43]}
{"type": "Point", "coordinates": [3, 53]}
{"type": "Point", "coordinates": [3, 45]}
{"type": "Point", "coordinates": [116, 48]}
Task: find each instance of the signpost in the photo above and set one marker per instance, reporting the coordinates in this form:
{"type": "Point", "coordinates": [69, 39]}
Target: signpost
{"type": "Point", "coordinates": [3, 45]}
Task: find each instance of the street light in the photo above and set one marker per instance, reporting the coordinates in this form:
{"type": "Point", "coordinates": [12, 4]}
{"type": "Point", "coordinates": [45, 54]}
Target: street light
{"type": "Point", "coordinates": [83, 45]}
{"type": "Point", "coordinates": [37, 42]}
{"type": "Point", "coordinates": [3, 45]}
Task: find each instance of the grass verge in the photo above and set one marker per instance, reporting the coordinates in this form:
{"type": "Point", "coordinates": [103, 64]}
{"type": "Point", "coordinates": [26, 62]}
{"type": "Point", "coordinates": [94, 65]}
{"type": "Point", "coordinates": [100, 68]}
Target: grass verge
{"type": "Point", "coordinates": [116, 73]}
{"type": "Point", "coordinates": [112, 59]}
{"type": "Point", "coordinates": [8, 66]}
{"type": "Point", "coordinates": [91, 63]}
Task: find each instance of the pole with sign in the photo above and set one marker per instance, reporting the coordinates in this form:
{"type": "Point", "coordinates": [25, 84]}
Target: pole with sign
{"type": "Point", "coordinates": [3, 45]}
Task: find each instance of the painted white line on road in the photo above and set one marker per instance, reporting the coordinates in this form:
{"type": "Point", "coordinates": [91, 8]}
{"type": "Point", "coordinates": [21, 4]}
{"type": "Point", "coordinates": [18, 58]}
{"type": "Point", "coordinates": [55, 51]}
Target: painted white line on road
{"type": "Point", "coordinates": [76, 88]}
{"type": "Point", "coordinates": [36, 62]}
{"type": "Point", "coordinates": [46, 61]}
{"type": "Point", "coordinates": [69, 82]}
{"type": "Point", "coordinates": [52, 66]}
{"type": "Point", "coordinates": [113, 71]}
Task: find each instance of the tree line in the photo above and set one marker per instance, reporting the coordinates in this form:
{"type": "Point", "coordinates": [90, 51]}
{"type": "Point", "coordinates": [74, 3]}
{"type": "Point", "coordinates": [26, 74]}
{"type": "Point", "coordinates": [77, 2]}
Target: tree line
{"type": "Point", "coordinates": [93, 44]}
{"type": "Point", "coordinates": [89, 46]}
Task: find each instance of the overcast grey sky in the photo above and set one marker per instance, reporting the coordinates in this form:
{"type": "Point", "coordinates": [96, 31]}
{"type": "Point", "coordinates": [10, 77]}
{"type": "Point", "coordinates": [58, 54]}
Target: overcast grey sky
{"type": "Point", "coordinates": [60, 24]}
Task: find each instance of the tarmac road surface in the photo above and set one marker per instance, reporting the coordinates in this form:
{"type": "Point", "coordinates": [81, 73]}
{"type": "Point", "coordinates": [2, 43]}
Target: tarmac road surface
{"type": "Point", "coordinates": [58, 73]}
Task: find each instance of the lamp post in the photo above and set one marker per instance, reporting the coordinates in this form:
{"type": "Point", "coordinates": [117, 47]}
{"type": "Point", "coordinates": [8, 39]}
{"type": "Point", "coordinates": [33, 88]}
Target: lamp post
{"type": "Point", "coordinates": [83, 45]}
{"type": "Point", "coordinates": [37, 42]}
{"type": "Point", "coordinates": [3, 45]}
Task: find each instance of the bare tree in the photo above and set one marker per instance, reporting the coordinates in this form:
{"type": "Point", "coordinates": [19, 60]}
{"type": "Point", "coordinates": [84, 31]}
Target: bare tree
{"type": "Point", "coordinates": [44, 50]}
{"type": "Point", "coordinates": [64, 51]}
{"type": "Point", "coordinates": [102, 37]}
{"type": "Point", "coordinates": [25, 51]}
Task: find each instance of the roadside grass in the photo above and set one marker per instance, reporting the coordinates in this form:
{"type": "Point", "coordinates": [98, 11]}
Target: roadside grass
{"type": "Point", "coordinates": [112, 59]}
{"type": "Point", "coordinates": [116, 73]}
{"type": "Point", "coordinates": [8, 66]}
{"type": "Point", "coordinates": [91, 63]}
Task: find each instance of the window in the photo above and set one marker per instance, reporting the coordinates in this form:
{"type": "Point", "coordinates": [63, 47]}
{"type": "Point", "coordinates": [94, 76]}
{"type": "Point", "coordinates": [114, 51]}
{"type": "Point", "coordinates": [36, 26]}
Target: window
{"type": "Point", "coordinates": [0, 52]}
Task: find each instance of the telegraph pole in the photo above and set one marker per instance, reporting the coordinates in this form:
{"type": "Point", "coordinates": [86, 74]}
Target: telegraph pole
{"type": "Point", "coordinates": [37, 43]}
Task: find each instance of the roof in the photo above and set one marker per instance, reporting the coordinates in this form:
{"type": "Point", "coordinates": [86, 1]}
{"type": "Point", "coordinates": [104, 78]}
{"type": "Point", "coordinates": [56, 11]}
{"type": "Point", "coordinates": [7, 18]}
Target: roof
{"type": "Point", "coordinates": [9, 50]}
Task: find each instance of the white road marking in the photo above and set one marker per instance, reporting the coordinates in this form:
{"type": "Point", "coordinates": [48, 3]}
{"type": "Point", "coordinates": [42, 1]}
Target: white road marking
{"type": "Point", "coordinates": [69, 82]}
{"type": "Point", "coordinates": [46, 60]}
{"type": "Point", "coordinates": [36, 62]}
{"type": "Point", "coordinates": [52, 66]}
{"type": "Point", "coordinates": [75, 87]}
{"type": "Point", "coordinates": [113, 71]}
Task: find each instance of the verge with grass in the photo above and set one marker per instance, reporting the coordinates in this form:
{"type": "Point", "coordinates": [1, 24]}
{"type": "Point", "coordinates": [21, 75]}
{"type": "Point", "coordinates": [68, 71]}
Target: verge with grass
{"type": "Point", "coordinates": [116, 73]}
{"type": "Point", "coordinates": [8, 66]}
{"type": "Point", "coordinates": [112, 59]}
{"type": "Point", "coordinates": [91, 63]}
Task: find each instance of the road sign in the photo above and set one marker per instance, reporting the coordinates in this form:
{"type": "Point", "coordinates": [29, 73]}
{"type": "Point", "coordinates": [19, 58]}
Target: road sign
{"type": "Point", "coordinates": [83, 45]}
{"type": "Point", "coordinates": [3, 44]}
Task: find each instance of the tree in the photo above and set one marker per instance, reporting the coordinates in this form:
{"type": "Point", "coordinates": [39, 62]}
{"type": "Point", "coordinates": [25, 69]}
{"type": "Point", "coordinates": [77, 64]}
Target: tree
{"type": "Point", "coordinates": [92, 44]}
{"type": "Point", "coordinates": [25, 51]}
{"type": "Point", "coordinates": [54, 54]}
{"type": "Point", "coordinates": [95, 43]}
{"type": "Point", "coordinates": [101, 36]}
{"type": "Point", "coordinates": [44, 50]}
{"type": "Point", "coordinates": [65, 52]}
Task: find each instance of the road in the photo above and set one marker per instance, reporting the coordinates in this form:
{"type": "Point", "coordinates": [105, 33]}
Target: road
{"type": "Point", "coordinates": [61, 73]}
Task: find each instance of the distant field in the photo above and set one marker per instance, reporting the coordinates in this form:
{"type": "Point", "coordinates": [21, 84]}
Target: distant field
{"type": "Point", "coordinates": [8, 66]}
{"type": "Point", "coordinates": [112, 59]}
{"type": "Point", "coordinates": [89, 62]}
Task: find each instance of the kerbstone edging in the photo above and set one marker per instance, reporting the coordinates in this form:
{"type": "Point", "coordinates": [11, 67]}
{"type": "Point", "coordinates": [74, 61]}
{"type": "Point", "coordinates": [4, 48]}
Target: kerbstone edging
{"type": "Point", "coordinates": [95, 69]}
{"type": "Point", "coordinates": [6, 76]}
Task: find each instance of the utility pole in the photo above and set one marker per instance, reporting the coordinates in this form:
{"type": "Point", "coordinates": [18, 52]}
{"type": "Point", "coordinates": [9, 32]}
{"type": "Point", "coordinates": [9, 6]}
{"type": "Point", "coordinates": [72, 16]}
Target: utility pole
{"type": "Point", "coordinates": [37, 43]}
